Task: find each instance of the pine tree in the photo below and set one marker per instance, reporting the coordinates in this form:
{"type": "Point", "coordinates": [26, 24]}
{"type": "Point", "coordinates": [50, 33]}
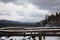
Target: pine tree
{"type": "Point", "coordinates": [46, 18]}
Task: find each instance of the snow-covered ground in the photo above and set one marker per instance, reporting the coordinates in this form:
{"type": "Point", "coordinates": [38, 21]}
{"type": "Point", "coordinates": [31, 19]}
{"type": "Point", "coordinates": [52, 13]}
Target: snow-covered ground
{"type": "Point", "coordinates": [20, 38]}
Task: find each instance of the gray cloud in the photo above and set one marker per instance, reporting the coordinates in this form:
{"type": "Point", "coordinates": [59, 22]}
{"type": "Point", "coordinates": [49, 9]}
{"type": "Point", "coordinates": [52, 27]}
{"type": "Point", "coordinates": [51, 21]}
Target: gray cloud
{"type": "Point", "coordinates": [37, 15]}
{"type": "Point", "coordinates": [20, 13]}
{"type": "Point", "coordinates": [29, 8]}
{"type": "Point", "coordinates": [3, 13]}
{"type": "Point", "coordinates": [17, 2]}
{"type": "Point", "coordinates": [51, 5]}
{"type": "Point", "coordinates": [7, 1]}
{"type": "Point", "coordinates": [7, 13]}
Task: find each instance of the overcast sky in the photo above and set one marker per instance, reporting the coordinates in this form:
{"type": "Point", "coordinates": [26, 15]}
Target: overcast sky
{"type": "Point", "coordinates": [27, 10]}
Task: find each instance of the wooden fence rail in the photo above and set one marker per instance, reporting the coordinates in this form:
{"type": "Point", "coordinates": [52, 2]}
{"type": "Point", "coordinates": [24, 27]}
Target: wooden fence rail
{"type": "Point", "coordinates": [30, 31]}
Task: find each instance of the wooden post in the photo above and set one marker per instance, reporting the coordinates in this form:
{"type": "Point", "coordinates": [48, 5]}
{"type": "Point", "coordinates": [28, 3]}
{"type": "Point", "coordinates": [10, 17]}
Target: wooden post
{"type": "Point", "coordinates": [43, 35]}
{"type": "Point", "coordinates": [40, 36]}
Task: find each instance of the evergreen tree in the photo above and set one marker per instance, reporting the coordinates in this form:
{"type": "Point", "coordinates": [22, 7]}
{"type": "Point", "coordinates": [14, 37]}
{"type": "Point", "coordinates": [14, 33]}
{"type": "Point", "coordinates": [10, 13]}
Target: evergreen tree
{"type": "Point", "coordinates": [46, 18]}
{"type": "Point", "coordinates": [56, 14]}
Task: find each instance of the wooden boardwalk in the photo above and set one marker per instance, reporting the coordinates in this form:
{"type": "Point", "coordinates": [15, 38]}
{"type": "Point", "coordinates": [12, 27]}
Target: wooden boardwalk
{"type": "Point", "coordinates": [30, 31]}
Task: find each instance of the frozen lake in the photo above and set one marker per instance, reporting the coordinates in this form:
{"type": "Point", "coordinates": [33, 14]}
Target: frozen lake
{"type": "Point", "coordinates": [20, 38]}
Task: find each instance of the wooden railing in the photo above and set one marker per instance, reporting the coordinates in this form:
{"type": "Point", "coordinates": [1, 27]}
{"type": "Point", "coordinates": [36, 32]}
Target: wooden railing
{"type": "Point", "coordinates": [30, 31]}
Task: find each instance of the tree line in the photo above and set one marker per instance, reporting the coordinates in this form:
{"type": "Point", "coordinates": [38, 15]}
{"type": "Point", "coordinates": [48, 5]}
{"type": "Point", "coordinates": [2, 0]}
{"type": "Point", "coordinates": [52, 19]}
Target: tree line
{"type": "Point", "coordinates": [50, 20]}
